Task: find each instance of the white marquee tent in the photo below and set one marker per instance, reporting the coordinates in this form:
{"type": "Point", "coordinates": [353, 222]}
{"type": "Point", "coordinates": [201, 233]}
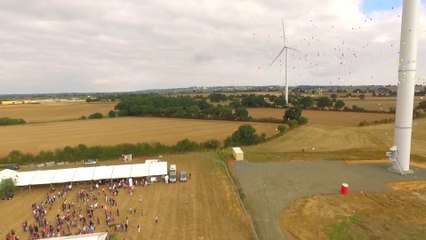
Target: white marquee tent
{"type": "Point", "coordinates": [91, 236]}
{"type": "Point", "coordinates": [102, 171]}
{"type": "Point", "coordinates": [83, 174]}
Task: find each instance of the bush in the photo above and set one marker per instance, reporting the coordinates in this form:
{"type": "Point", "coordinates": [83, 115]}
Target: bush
{"type": "Point", "coordinates": [83, 117]}
{"type": "Point", "coordinates": [302, 120]}
{"type": "Point", "coordinates": [211, 144]}
{"type": "Point", "coordinates": [282, 128]}
{"type": "Point", "coordinates": [292, 124]}
{"type": "Point", "coordinates": [111, 114]}
{"type": "Point", "coordinates": [96, 115]}
{"type": "Point", "coordinates": [187, 146]}
{"type": "Point", "coordinates": [11, 121]}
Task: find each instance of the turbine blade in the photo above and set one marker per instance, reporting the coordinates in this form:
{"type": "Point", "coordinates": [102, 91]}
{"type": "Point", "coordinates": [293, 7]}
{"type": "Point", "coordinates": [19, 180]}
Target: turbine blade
{"type": "Point", "coordinates": [294, 49]}
{"type": "Point", "coordinates": [279, 54]}
{"type": "Point", "coordinates": [282, 21]}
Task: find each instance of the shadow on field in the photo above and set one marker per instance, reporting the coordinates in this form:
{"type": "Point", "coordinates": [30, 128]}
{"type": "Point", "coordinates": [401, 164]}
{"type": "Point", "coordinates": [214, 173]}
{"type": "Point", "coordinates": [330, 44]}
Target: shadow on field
{"type": "Point", "coordinates": [269, 187]}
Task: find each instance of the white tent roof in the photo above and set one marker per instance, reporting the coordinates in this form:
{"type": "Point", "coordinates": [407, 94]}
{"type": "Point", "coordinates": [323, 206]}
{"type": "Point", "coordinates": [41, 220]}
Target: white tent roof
{"type": "Point", "coordinates": [91, 236]}
{"type": "Point", "coordinates": [139, 170]}
{"type": "Point", "coordinates": [90, 173]}
{"type": "Point", "coordinates": [157, 168]}
{"type": "Point", "coordinates": [64, 175]}
{"type": "Point", "coordinates": [43, 177]}
{"type": "Point", "coordinates": [7, 173]}
{"type": "Point", "coordinates": [102, 172]}
{"type": "Point", "coordinates": [83, 174]}
{"type": "Point", "coordinates": [25, 178]}
{"type": "Point", "coordinates": [121, 171]}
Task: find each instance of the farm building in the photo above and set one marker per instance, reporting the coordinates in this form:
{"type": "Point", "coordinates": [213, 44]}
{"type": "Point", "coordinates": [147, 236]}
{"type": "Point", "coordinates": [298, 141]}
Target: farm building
{"type": "Point", "coordinates": [238, 153]}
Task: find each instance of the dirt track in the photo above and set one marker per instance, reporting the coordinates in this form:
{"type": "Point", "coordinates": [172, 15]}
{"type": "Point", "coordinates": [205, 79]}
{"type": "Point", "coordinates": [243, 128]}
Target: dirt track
{"type": "Point", "coordinates": [270, 187]}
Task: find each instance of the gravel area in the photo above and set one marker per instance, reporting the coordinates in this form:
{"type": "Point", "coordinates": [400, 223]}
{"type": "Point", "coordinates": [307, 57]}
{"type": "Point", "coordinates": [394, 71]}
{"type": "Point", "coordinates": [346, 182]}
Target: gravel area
{"type": "Point", "coordinates": [269, 187]}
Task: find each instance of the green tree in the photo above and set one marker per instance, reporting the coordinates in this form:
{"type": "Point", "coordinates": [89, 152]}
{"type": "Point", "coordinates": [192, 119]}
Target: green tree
{"type": "Point", "coordinates": [339, 104]}
{"type": "Point", "coordinates": [193, 111]}
{"type": "Point", "coordinates": [323, 102]}
{"type": "Point", "coordinates": [187, 146]}
{"type": "Point", "coordinates": [111, 114]}
{"type": "Point", "coordinates": [7, 185]}
{"type": "Point", "coordinates": [212, 144]}
{"type": "Point", "coordinates": [306, 102]}
{"type": "Point", "coordinates": [244, 136]}
{"type": "Point", "coordinates": [241, 113]}
{"type": "Point", "coordinates": [217, 97]}
{"type": "Point", "coordinates": [422, 106]}
{"type": "Point", "coordinates": [293, 113]}
{"type": "Point", "coordinates": [96, 115]}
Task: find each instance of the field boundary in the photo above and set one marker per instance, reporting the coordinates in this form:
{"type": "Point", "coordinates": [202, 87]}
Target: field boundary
{"type": "Point", "coordinates": [255, 234]}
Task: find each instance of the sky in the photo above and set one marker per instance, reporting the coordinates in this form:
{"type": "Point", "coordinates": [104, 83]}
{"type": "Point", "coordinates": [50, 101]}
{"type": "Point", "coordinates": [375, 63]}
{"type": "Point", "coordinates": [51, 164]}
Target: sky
{"type": "Point", "coordinates": [50, 46]}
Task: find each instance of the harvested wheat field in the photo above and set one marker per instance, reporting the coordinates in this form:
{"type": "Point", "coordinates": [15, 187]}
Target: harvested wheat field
{"type": "Point", "coordinates": [205, 207]}
{"type": "Point", "coordinates": [331, 118]}
{"type": "Point", "coordinates": [33, 138]}
{"type": "Point", "coordinates": [50, 112]}
{"type": "Point", "coordinates": [382, 104]}
{"type": "Point", "coordinates": [314, 141]}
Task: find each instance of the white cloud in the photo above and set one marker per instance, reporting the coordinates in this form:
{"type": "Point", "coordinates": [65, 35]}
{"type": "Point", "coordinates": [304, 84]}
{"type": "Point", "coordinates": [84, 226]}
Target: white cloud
{"type": "Point", "coordinates": [111, 45]}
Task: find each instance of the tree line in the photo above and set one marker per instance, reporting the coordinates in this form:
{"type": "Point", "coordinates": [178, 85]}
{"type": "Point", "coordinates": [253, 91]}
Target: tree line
{"type": "Point", "coordinates": [179, 106]}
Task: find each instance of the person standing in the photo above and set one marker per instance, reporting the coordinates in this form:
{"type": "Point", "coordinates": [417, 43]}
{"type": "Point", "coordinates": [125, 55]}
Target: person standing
{"type": "Point", "coordinates": [139, 228]}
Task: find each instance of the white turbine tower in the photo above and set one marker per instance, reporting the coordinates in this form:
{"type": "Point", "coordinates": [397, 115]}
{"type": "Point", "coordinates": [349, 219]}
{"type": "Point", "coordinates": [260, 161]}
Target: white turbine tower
{"type": "Point", "coordinates": [400, 151]}
{"type": "Point", "coordinates": [285, 48]}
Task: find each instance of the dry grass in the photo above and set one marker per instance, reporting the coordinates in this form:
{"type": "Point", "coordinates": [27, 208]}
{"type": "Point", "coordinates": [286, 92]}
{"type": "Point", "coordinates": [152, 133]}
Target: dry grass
{"type": "Point", "coordinates": [34, 138]}
{"type": "Point", "coordinates": [205, 207]}
{"type": "Point", "coordinates": [49, 112]}
{"type": "Point", "coordinates": [337, 142]}
{"type": "Point", "coordinates": [331, 118]}
{"type": "Point", "coordinates": [376, 103]}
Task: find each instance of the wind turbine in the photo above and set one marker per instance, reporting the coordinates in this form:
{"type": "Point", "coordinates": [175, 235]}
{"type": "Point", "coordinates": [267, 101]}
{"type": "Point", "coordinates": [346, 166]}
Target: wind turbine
{"type": "Point", "coordinates": [285, 48]}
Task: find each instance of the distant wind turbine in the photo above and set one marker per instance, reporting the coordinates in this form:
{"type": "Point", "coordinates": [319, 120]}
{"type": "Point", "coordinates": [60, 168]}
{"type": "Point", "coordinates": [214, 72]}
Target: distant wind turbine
{"type": "Point", "coordinates": [285, 48]}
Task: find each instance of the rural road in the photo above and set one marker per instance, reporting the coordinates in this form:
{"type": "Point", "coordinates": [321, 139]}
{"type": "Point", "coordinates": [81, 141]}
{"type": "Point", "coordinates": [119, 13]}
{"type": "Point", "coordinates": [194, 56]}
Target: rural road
{"type": "Point", "coordinates": [269, 187]}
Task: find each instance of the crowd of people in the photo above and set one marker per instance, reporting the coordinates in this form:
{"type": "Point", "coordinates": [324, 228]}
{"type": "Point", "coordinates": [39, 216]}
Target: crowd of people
{"type": "Point", "coordinates": [93, 204]}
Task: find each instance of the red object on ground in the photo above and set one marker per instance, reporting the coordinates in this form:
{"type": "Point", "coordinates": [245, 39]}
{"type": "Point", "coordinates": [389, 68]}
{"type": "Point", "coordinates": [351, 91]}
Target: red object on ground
{"type": "Point", "coordinates": [345, 188]}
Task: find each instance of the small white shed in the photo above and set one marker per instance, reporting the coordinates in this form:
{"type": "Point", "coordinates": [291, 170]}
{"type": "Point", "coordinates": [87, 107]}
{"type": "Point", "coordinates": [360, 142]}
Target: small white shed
{"type": "Point", "coordinates": [238, 153]}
